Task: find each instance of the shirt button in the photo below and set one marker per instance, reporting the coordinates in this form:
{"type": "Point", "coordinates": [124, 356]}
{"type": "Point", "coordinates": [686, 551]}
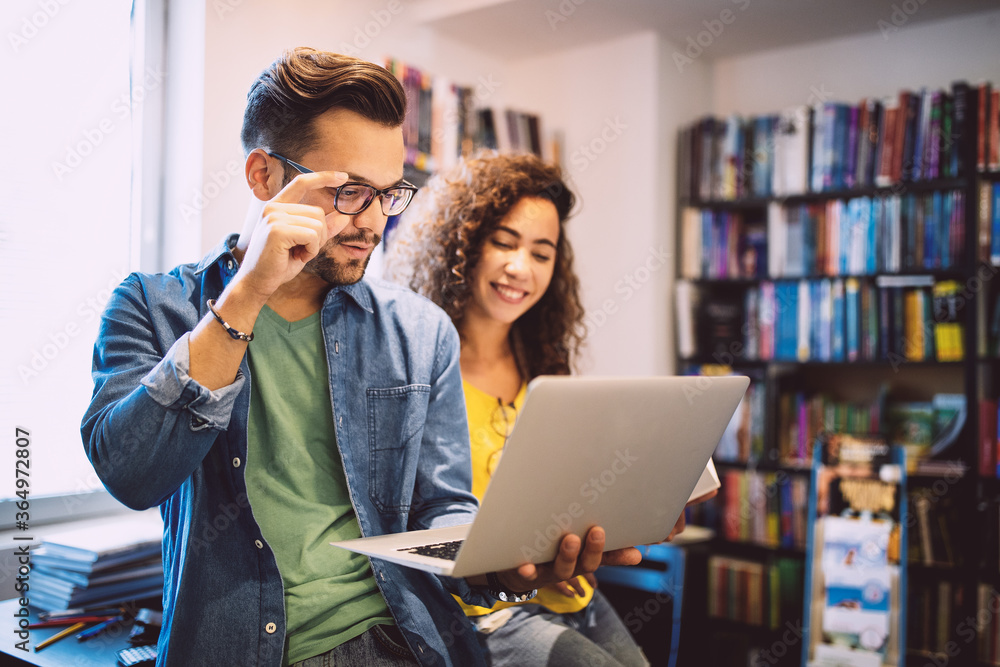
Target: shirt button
{"type": "Point", "coordinates": [270, 628]}
{"type": "Point", "coordinates": [260, 545]}
{"type": "Point", "coordinates": [236, 462]}
{"type": "Point", "coordinates": [229, 264]}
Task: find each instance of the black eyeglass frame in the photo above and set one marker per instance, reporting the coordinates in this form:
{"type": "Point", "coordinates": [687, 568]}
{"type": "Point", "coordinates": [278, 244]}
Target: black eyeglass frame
{"type": "Point", "coordinates": [374, 192]}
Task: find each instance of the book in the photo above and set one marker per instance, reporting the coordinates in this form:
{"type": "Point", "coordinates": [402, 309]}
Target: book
{"type": "Point", "coordinates": [931, 541]}
{"type": "Point", "coordinates": [950, 413]}
{"type": "Point", "coordinates": [762, 152]}
{"type": "Point", "coordinates": [68, 578]}
{"type": "Point", "coordinates": [718, 324]}
{"type": "Point", "coordinates": [869, 122]}
{"type": "Point", "coordinates": [737, 590]}
{"type": "Point", "coordinates": [887, 143]}
{"type": "Point", "coordinates": [914, 346]}
{"type": "Point", "coordinates": [948, 329]}
{"type": "Point", "coordinates": [89, 550]}
{"type": "Point", "coordinates": [777, 232]}
{"type": "Point", "coordinates": [705, 157]}
{"type": "Point", "coordinates": [487, 135]}
{"type": "Point", "coordinates": [732, 158]}
{"type": "Point", "coordinates": [104, 565]}
{"type": "Point", "coordinates": [791, 151]}
{"type": "Point", "coordinates": [990, 217]}
{"type": "Point", "coordinates": [982, 110]}
{"type": "Point", "coordinates": [754, 251]}
{"type": "Point", "coordinates": [987, 437]}
{"type": "Point", "coordinates": [911, 105]}
{"type": "Point", "coordinates": [60, 597]}
{"type": "Point", "coordinates": [765, 508]}
{"type": "Point", "coordinates": [911, 426]}
{"type": "Point", "coordinates": [685, 300]}
{"type": "Point", "coordinates": [993, 132]}
{"type": "Point", "coordinates": [931, 616]}
{"type": "Point", "coordinates": [963, 97]}
{"type": "Point", "coordinates": [691, 243]}
{"type": "Point", "coordinates": [988, 643]}
{"type": "Point", "coordinates": [945, 141]}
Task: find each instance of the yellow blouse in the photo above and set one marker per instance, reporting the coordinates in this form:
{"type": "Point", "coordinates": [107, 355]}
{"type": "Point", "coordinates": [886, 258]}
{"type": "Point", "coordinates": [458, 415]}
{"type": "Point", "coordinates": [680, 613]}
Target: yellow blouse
{"type": "Point", "coordinates": [489, 419]}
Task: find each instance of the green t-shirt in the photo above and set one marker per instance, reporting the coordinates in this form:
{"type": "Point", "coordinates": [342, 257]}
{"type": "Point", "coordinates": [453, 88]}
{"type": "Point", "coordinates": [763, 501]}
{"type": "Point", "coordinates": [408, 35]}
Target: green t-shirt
{"type": "Point", "coordinates": [298, 491]}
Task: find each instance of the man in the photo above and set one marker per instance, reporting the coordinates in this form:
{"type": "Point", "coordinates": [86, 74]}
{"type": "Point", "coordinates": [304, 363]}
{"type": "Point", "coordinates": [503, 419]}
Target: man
{"type": "Point", "coordinates": [270, 401]}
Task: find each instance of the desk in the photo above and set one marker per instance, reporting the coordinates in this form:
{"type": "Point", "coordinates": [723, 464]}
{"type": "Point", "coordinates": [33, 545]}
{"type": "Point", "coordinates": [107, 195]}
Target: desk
{"type": "Point", "coordinates": [68, 652]}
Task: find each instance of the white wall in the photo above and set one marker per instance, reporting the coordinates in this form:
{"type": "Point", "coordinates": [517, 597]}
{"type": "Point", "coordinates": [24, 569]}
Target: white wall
{"type": "Point", "coordinates": [604, 98]}
{"type": "Point", "coordinates": [685, 93]}
{"type": "Point", "coordinates": [873, 64]}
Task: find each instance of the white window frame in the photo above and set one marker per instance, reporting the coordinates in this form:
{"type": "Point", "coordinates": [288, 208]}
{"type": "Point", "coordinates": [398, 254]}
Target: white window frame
{"type": "Point", "coordinates": [166, 157]}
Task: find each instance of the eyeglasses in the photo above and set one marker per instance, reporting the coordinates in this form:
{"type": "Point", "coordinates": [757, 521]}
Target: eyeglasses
{"type": "Point", "coordinates": [352, 198]}
{"type": "Point", "coordinates": [502, 422]}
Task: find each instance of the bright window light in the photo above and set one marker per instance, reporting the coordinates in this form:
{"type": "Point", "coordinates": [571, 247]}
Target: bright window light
{"type": "Point", "coordinates": [65, 234]}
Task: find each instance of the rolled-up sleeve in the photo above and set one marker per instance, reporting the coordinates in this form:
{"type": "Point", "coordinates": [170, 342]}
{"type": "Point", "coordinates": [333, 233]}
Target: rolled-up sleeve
{"type": "Point", "coordinates": [149, 424]}
{"type": "Point", "coordinates": [169, 383]}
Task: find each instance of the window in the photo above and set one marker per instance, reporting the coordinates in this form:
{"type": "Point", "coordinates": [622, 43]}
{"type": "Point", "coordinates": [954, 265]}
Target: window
{"type": "Point", "coordinates": [66, 237]}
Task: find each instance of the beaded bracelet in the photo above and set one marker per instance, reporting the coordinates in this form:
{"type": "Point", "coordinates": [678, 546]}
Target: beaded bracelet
{"type": "Point", "coordinates": [237, 335]}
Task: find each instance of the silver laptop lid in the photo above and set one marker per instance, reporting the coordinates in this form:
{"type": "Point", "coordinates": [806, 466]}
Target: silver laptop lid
{"type": "Point", "coordinates": [622, 453]}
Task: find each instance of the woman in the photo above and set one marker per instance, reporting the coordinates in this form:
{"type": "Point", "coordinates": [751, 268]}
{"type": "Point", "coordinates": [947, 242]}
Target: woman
{"type": "Point", "coordinates": [487, 243]}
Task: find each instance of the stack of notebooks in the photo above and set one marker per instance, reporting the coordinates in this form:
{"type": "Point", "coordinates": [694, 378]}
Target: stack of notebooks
{"type": "Point", "coordinates": [88, 567]}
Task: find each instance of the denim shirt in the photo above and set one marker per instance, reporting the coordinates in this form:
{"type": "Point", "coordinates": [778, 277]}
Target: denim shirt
{"type": "Point", "coordinates": [157, 437]}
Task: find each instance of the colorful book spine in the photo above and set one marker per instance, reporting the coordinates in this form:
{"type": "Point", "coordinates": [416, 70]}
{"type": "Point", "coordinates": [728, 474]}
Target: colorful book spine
{"type": "Point", "coordinates": [988, 624]}
{"type": "Point", "coordinates": [982, 138]}
{"type": "Point", "coordinates": [948, 329]}
{"type": "Point", "coordinates": [993, 137]}
{"type": "Point", "coordinates": [991, 211]}
{"type": "Point", "coordinates": [961, 94]}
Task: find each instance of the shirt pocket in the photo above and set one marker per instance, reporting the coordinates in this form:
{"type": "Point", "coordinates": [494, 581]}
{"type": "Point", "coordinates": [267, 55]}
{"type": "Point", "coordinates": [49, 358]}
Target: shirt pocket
{"type": "Point", "coordinates": [396, 419]}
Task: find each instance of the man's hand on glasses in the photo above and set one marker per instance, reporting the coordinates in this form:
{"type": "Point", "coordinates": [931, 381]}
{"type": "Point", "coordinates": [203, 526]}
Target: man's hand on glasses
{"type": "Point", "coordinates": [289, 233]}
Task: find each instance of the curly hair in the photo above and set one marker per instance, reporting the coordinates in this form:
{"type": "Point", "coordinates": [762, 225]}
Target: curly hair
{"type": "Point", "coordinates": [440, 239]}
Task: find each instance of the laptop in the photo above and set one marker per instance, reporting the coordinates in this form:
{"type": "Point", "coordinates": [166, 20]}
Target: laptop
{"type": "Point", "coordinates": [621, 453]}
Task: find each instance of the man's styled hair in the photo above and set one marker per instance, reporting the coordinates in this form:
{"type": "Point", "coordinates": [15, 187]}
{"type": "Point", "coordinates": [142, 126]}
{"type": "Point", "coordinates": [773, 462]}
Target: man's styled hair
{"type": "Point", "coordinates": [441, 236]}
{"type": "Point", "coordinates": [305, 83]}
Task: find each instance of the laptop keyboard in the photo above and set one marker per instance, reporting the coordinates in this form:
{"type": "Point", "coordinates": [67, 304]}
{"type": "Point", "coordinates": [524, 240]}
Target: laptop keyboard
{"type": "Point", "coordinates": [444, 550]}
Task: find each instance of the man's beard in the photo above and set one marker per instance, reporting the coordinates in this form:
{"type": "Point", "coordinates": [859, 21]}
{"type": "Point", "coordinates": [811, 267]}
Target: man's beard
{"type": "Point", "coordinates": [342, 273]}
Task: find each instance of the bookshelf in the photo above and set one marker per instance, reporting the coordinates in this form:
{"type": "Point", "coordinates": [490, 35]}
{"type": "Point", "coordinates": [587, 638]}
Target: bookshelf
{"type": "Point", "coordinates": [844, 256]}
{"type": "Point", "coordinates": [446, 120]}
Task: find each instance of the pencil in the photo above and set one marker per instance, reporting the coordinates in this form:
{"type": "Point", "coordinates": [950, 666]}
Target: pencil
{"type": "Point", "coordinates": [99, 628]}
{"type": "Point", "coordinates": [70, 620]}
{"type": "Point", "coordinates": [59, 635]}
{"type": "Point", "coordinates": [80, 611]}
